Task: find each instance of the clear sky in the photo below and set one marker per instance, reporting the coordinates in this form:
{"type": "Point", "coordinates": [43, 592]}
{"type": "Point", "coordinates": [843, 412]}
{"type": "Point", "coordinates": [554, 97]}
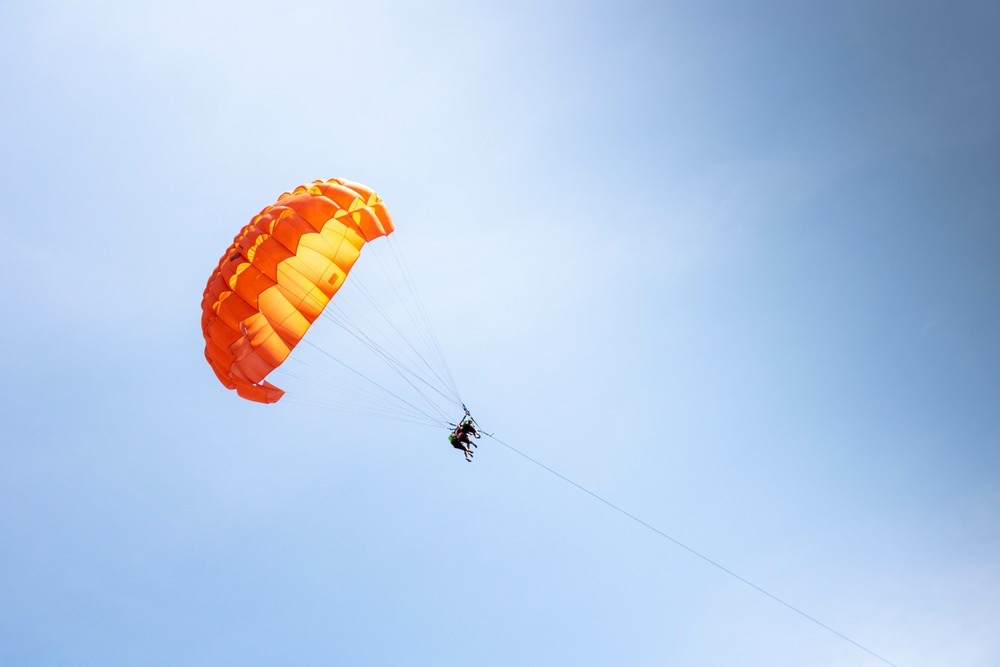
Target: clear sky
{"type": "Point", "coordinates": [732, 266]}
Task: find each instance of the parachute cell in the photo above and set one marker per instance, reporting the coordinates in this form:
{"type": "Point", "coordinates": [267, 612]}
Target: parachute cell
{"type": "Point", "coordinates": [279, 274]}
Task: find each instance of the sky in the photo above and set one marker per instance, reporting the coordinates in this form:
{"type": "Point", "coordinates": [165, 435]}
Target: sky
{"type": "Point", "coordinates": [730, 266]}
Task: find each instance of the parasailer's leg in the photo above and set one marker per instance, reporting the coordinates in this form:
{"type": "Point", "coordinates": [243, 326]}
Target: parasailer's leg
{"type": "Point", "coordinates": [460, 442]}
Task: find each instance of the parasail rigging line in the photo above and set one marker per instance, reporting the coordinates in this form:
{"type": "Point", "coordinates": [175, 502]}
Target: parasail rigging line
{"type": "Point", "coordinates": [348, 395]}
{"type": "Point", "coordinates": [398, 369]}
{"type": "Point", "coordinates": [383, 388]}
{"type": "Point", "coordinates": [411, 284]}
{"type": "Point", "coordinates": [319, 404]}
{"type": "Point", "coordinates": [393, 285]}
{"type": "Point", "coordinates": [374, 405]}
{"type": "Point", "coordinates": [341, 319]}
{"type": "Point", "coordinates": [413, 307]}
{"type": "Point", "coordinates": [361, 289]}
{"type": "Point", "coordinates": [691, 550]}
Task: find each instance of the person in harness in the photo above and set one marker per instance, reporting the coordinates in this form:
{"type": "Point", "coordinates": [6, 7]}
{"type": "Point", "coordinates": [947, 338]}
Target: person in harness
{"type": "Point", "coordinates": [459, 437]}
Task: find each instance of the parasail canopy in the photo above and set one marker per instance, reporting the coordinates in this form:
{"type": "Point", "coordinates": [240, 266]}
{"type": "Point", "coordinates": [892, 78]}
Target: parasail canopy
{"type": "Point", "coordinates": [279, 274]}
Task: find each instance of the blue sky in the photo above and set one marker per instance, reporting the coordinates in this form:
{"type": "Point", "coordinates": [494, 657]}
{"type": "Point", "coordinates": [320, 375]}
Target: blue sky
{"type": "Point", "coordinates": [732, 268]}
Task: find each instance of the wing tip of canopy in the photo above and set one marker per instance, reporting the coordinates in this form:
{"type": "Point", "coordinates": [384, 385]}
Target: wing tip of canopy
{"type": "Point", "coordinates": [265, 392]}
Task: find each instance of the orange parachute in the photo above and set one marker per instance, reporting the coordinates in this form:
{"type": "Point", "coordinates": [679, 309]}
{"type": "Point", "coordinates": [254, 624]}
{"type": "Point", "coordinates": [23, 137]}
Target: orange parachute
{"type": "Point", "coordinates": [279, 274]}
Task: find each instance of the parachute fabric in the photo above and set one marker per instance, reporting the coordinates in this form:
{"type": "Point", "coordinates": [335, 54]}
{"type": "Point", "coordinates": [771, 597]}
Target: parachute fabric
{"type": "Point", "coordinates": [279, 274]}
